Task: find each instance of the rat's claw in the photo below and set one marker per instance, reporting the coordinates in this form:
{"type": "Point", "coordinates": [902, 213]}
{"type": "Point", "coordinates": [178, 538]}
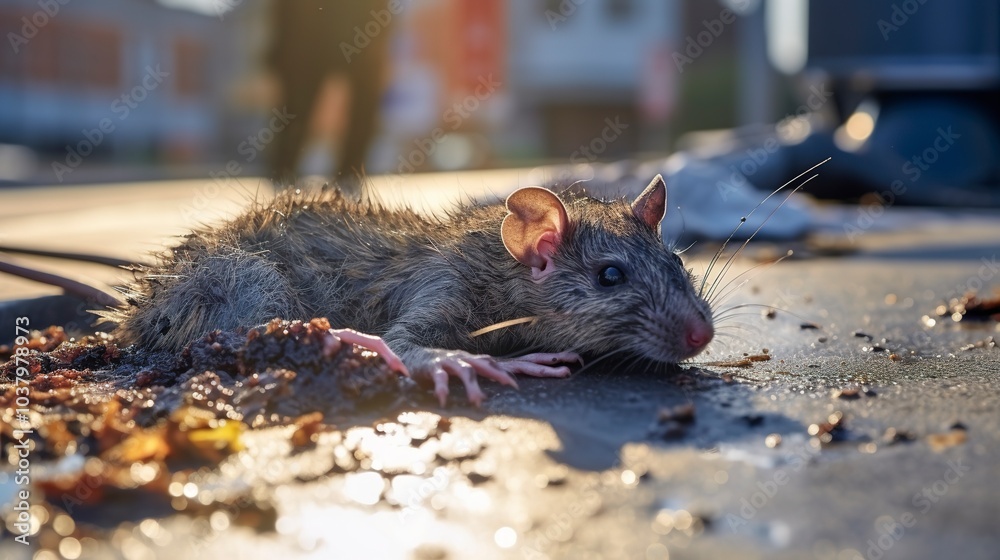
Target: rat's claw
{"type": "Point", "coordinates": [464, 371]}
{"type": "Point", "coordinates": [489, 369]}
{"type": "Point", "coordinates": [465, 367]}
{"type": "Point", "coordinates": [548, 359]}
{"type": "Point", "coordinates": [540, 365]}
{"type": "Point", "coordinates": [535, 370]}
{"type": "Point", "coordinates": [375, 344]}
{"type": "Point", "coordinates": [440, 377]}
{"type": "Point", "coordinates": [331, 345]}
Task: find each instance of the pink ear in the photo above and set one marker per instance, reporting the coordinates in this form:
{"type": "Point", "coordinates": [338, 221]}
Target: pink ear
{"type": "Point", "coordinates": [651, 205]}
{"type": "Point", "coordinates": [533, 229]}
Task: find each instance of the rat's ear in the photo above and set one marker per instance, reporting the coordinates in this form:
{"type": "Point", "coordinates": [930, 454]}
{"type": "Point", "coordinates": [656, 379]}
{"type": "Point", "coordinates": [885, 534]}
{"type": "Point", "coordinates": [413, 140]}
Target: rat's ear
{"type": "Point", "coordinates": [651, 205]}
{"type": "Point", "coordinates": [533, 229]}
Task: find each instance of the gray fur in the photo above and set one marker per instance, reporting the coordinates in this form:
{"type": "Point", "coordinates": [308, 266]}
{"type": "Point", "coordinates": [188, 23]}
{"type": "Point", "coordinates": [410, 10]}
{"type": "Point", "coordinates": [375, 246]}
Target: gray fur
{"type": "Point", "coordinates": [420, 283]}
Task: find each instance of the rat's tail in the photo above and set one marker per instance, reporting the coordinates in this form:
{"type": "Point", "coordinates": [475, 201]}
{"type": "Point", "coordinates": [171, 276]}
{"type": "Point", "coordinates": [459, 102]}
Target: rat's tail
{"type": "Point", "coordinates": [87, 289]}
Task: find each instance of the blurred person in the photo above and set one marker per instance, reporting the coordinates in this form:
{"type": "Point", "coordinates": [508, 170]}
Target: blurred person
{"type": "Point", "coordinates": [313, 42]}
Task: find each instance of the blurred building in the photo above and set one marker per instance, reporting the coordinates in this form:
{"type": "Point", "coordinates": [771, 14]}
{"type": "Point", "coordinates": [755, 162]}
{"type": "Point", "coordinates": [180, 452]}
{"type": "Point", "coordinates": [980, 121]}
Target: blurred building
{"type": "Point", "coordinates": [475, 82]}
{"type": "Point", "coordinates": [515, 81]}
{"type": "Point", "coordinates": [576, 65]}
{"type": "Point", "coordinates": [122, 81]}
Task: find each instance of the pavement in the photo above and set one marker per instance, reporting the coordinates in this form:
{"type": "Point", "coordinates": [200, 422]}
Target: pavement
{"type": "Point", "coordinates": [871, 430]}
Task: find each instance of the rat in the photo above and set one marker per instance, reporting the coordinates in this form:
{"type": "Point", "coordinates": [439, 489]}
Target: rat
{"type": "Point", "coordinates": [545, 275]}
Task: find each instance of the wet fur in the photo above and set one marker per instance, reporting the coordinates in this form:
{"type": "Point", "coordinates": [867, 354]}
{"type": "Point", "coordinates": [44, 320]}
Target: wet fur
{"type": "Point", "coordinates": [418, 282]}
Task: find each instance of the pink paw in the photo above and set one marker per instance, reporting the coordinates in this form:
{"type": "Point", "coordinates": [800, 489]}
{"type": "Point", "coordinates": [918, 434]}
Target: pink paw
{"type": "Point", "coordinates": [373, 343]}
{"type": "Point", "coordinates": [466, 367]}
{"type": "Point", "coordinates": [542, 365]}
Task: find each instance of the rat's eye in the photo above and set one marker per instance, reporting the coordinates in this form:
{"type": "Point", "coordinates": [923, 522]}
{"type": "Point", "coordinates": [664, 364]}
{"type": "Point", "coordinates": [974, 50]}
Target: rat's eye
{"type": "Point", "coordinates": [610, 276]}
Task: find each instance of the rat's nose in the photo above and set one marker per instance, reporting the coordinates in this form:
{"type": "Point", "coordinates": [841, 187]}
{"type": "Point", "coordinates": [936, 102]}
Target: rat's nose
{"type": "Point", "coordinates": [699, 334]}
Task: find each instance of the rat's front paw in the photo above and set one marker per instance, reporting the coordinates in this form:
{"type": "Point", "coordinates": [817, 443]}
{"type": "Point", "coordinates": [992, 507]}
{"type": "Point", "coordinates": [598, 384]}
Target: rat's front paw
{"type": "Point", "coordinates": [442, 365]}
{"type": "Point", "coordinates": [542, 365]}
{"type": "Point", "coordinates": [331, 346]}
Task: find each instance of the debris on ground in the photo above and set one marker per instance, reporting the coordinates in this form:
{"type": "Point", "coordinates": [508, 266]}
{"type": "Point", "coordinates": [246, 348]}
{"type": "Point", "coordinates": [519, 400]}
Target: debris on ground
{"type": "Point", "coordinates": [833, 430]}
{"type": "Point", "coordinates": [972, 307]}
{"type": "Point", "coordinates": [988, 342]}
{"type": "Point", "coordinates": [746, 361]}
{"type": "Point", "coordinates": [138, 422]}
{"type": "Point", "coordinates": [672, 422]}
{"type": "Point", "coordinates": [951, 438]}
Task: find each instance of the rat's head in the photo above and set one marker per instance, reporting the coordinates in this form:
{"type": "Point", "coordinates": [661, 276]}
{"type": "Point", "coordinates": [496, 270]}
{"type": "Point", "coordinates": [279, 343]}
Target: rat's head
{"type": "Point", "coordinates": [607, 280]}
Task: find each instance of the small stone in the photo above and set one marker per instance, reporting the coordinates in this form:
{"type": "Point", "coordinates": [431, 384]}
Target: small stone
{"type": "Point", "coordinates": [683, 414]}
{"type": "Point", "coordinates": [850, 393]}
{"type": "Point", "coordinates": [892, 436]}
{"type": "Point", "coordinates": [940, 442]}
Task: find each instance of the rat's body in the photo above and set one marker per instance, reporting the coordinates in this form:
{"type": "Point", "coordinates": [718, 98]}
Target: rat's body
{"type": "Point", "coordinates": [423, 285]}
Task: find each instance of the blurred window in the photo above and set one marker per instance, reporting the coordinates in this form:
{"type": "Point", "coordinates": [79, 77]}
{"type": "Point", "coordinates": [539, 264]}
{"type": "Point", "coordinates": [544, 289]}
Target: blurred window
{"type": "Point", "coordinates": [64, 54]}
{"type": "Point", "coordinates": [41, 57]}
{"type": "Point", "coordinates": [10, 61]}
{"type": "Point", "coordinates": [189, 60]}
{"type": "Point", "coordinates": [88, 55]}
{"type": "Point", "coordinates": [558, 11]}
{"type": "Point", "coordinates": [105, 51]}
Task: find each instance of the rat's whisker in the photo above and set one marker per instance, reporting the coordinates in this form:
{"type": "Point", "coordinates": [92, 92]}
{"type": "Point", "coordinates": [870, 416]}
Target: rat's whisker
{"type": "Point", "coordinates": [738, 327]}
{"type": "Point", "coordinates": [744, 219]}
{"type": "Point", "coordinates": [729, 263]}
{"type": "Point", "coordinates": [766, 265]}
{"type": "Point", "coordinates": [684, 250]}
{"type": "Point", "coordinates": [763, 306]}
{"type": "Point", "coordinates": [730, 316]}
{"type": "Point", "coordinates": [602, 358]}
{"type": "Point", "coordinates": [722, 311]}
{"type": "Point", "coordinates": [734, 336]}
{"type": "Point", "coordinates": [725, 297]}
